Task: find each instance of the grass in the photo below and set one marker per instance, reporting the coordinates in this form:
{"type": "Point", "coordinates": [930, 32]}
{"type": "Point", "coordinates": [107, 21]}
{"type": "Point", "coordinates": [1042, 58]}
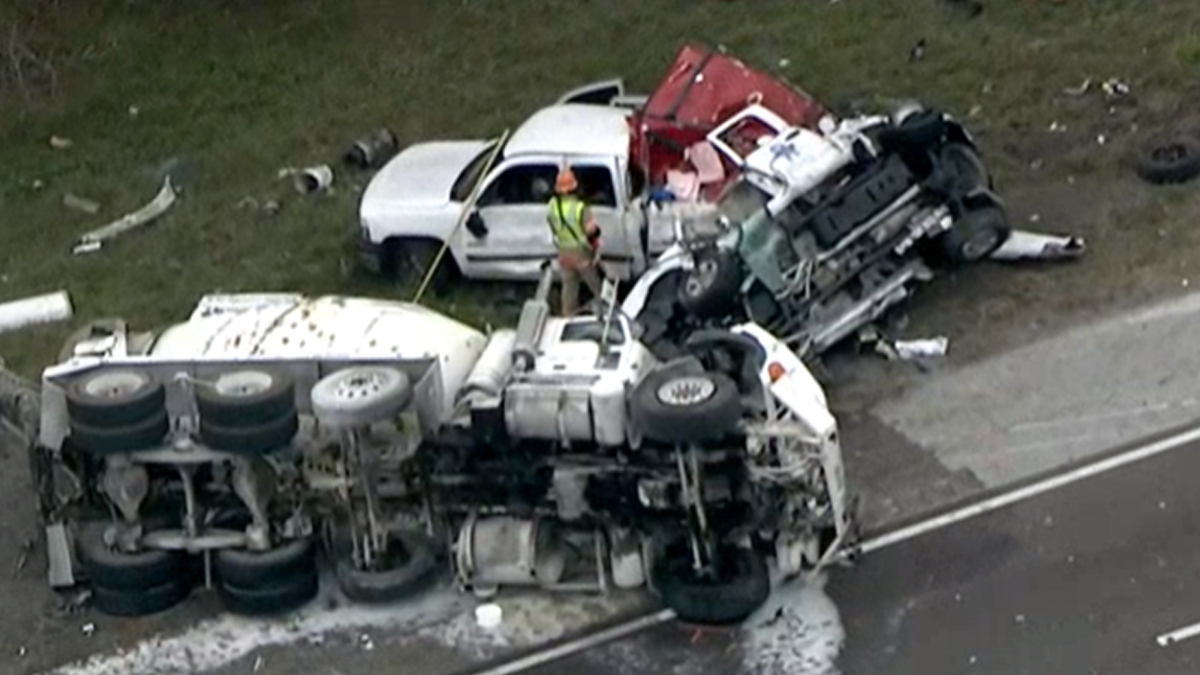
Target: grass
{"type": "Point", "coordinates": [237, 90]}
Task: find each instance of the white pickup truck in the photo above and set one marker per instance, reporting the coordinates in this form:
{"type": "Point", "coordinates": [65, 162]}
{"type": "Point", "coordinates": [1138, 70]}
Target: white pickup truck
{"type": "Point", "coordinates": [414, 204]}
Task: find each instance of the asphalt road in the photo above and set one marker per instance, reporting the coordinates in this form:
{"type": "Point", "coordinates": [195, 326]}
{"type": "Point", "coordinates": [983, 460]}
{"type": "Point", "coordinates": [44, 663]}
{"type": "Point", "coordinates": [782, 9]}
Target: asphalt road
{"type": "Point", "coordinates": [1080, 580]}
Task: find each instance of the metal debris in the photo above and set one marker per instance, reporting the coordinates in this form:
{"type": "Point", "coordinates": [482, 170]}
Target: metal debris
{"type": "Point", "coordinates": [373, 150]}
{"type": "Point", "coordinates": [22, 651]}
{"type": "Point", "coordinates": [309, 179]}
{"type": "Point", "coordinates": [1080, 90]}
{"type": "Point", "coordinates": [37, 309]}
{"type": "Point", "coordinates": [1022, 245]}
{"type": "Point", "coordinates": [88, 629]}
{"type": "Point", "coordinates": [365, 641]}
{"type": "Point", "coordinates": [1115, 88]}
{"type": "Point", "coordinates": [162, 201]}
{"type": "Point", "coordinates": [258, 664]}
{"type": "Point", "coordinates": [917, 349]}
{"type": "Point", "coordinates": [77, 203]}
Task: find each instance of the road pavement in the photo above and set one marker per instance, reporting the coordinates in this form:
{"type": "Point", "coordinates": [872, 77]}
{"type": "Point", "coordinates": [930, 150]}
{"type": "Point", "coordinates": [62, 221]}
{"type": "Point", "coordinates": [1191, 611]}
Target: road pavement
{"type": "Point", "coordinates": [1083, 579]}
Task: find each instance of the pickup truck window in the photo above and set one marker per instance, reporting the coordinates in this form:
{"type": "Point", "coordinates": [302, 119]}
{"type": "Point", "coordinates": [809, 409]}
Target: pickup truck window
{"type": "Point", "coordinates": [461, 191]}
{"type": "Point", "coordinates": [521, 184]}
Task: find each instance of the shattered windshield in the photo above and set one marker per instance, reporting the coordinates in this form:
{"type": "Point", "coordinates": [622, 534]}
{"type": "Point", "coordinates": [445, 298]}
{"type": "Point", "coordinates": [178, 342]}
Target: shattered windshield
{"type": "Point", "coordinates": [471, 174]}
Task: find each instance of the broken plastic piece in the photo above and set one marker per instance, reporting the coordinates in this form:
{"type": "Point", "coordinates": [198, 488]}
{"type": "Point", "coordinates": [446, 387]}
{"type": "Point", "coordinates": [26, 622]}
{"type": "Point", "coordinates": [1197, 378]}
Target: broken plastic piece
{"type": "Point", "coordinates": [35, 310]}
{"type": "Point", "coordinates": [309, 179]}
{"type": "Point", "coordinates": [916, 349]}
{"type": "Point", "coordinates": [155, 208]}
{"type": "Point", "coordinates": [83, 204]}
{"type": "Point", "coordinates": [1022, 245]}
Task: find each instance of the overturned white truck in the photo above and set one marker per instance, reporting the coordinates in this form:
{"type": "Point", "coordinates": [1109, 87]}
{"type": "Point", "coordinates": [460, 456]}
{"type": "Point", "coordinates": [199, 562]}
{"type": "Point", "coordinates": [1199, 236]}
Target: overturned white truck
{"type": "Point", "coordinates": [240, 447]}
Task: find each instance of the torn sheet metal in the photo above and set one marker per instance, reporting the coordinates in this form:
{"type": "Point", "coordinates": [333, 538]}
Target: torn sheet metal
{"type": "Point", "coordinates": [35, 310]}
{"type": "Point", "coordinates": [155, 208]}
{"type": "Point", "coordinates": [1022, 245]}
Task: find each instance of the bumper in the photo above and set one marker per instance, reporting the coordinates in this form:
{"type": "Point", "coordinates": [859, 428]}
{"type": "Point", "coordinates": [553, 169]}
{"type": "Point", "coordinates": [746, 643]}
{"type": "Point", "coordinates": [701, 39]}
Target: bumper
{"type": "Point", "coordinates": [370, 255]}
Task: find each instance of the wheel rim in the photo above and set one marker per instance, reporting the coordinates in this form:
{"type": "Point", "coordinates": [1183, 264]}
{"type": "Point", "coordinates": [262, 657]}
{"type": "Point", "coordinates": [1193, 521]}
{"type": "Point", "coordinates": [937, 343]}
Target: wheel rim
{"type": "Point", "coordinates": [686, 391]}
{"type": "Point", "coordinates": [361, 385]}
{"type": "Point", "coordinates": [242, 384]}
{"type": "Point", "coordinates": [702, 277]}
{"type": "Point", "coordinates": [114, 385]}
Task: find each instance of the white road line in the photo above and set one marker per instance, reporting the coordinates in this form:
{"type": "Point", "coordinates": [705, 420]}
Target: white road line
{"type": "Point", "coordinates": [1029, 491]}
{"type": "Point", "coordinates": [565, 649]}
{"type": "Point", "coordinates": [1168, 639]}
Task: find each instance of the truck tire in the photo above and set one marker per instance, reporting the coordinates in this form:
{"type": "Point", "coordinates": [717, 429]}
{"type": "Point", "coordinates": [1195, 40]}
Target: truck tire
{"type": "Point", "coordinates": [976, 234]}
{"type": "Point", "coordinates": [413, 557]}
{"type": "Point", "coordinates": [361, 395]}
{"type": "Point", "coordinates": [710, 289]}
{"type": "Point", "coordinates": [120, 571]}
{"type": "Point", "coordinates": [242, 398]}
{"type": "Point", "coordinates": [279, 595]}
{"type": "Point", "coordinates": [259, 439]}
{"type": "Point", "coordinates": [408, 261]}
{"type": "Point", "coordinates": [964, 167]}
{"type": "Point", "coordinates": [142, 602]}
{"type": "Point", "coordinates": [243, 569]}
{"type": "Point", "coordinates": [919, 130]}
{"type": "Point", "coordinates": [114, 399]}
{"type": "Point", "coordinates": [741, 587]}
{"type": "Point", "coordinates": [108, 440]}
{"type": "Point", "coordinates": [681, 408]}
{"type": "Point", "coordinates": [1174, 159]}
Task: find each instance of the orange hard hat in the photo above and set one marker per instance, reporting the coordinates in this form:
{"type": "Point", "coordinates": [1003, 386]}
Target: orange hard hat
{"type": "Point", "coordinates": [565, 182]}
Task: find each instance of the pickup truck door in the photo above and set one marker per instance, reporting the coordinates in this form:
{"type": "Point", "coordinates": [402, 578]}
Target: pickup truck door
{"type": "Point", "coordinates": [507, 236]}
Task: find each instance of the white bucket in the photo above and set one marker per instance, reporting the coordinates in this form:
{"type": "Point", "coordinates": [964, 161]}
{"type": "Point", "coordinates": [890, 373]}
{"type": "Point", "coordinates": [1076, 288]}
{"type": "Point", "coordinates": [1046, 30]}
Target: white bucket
{"type": "Point", "coordinates": [313, 179]}
{"type": "Point", "coordinates": [489, 615]}
{"type": "Point", "coordinates": [38, 309]}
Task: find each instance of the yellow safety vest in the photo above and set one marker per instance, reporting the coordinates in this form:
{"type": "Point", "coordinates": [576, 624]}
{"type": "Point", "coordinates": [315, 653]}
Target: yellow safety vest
{"type": "Point", "coordinates": [566, 222]}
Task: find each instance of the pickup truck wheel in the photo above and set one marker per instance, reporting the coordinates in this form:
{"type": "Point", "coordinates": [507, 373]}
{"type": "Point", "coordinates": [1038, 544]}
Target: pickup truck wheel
{"type": "Point", "coordinates": [918, 131]}
{"type": "Point", "coordinates": [409, 260]}
{"type": "Point", "coordinates": [119, 571]}
{"type": "Point", "coordinates": [113, 399]}
{"type": "Point", "coordinates": [279, 595]}
{"type": "Point", "coordinates": [409, 565]}
{"type": "Point", "coordinates": [966, 169]}
{"type": "Point", "coordinates": [740, 586]}
{"type": "Point", "coordinates": [360, 396]}
{"type": "Point", "coordinates": [976, 234]}
{"type": "Point", "coordinates": [243, 398]}
{"type": "Point", "coordinates": [251, 440]}
{"type": "Point", "coordinates": [108, 440]}
{"type": "Point", "coordinates": [710, 289]}
{"type": "Point", "coordinates": [144, 602]}
{"type": "Point", "coordinates": [672, 407]}
{"type": "Point", "coordinates": [245, 569]}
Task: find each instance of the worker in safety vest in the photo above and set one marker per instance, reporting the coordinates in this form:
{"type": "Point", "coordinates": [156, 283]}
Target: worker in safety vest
{"type": "Point", "coordinates": [577, 238]}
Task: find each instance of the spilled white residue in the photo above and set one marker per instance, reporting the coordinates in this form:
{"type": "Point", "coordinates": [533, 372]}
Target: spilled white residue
{"type": "Point", "coordinates": [442, 615]}
{"type": "Point", "coordinates": [797, 632]}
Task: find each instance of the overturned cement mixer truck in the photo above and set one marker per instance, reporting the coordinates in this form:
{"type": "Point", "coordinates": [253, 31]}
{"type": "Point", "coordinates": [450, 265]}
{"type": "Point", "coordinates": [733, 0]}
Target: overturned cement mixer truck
{"type": "Point", "coordinates": [267, 433]}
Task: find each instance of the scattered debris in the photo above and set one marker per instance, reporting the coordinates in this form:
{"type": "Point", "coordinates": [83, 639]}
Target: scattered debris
{"type": "Point", "coordinates": [918, 349]}
{"type": "Point", "coordinates": [134, 111]}
{"type": "Point", "coordinates": [373, 150]}
{"type": "Point", "coordinates": [74, 603]}
{"type": "Point", "coordinates": [366, 642]}
{"type": "Point", "coordinates": [77, 203]}
{"type": "Point", "coordinates": [34, 310]}
{"type": "Point", "coordinates": [1115, 88]}
{"type": "Point", "coordinates": [93, 240]}
{"type": "Point", "coordinates": [1022, 245]}
{"type": "Point", "coordinates": [23, 558]}
{"type": "Point", "coordinates": [37, 184]}
{"type": "Point", "coordinates": [22, 651]}
{"type": "Point", "coordinates": [60, 143]}
{"type": "Point", "coordinates": [89, 629]}
{"type": "Point", "coordinates": [489, 615]}
{"type": "Point", "coordinates": [918, 51]}
{"type": "Point", "coordinates": [258, 664]}
{"type": "Point", "coordinates": [1056, 127]}
{"type": "Point", "coordinates": [1020, 618]}
{"type": "Point", "coordinates": [1080, 90]}
{"type": "Point", "coordinates": [310, 179]}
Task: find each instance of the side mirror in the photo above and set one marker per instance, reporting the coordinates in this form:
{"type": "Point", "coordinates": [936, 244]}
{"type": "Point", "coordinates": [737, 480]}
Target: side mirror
{"type": "Point", "coordinates": [476, 226]}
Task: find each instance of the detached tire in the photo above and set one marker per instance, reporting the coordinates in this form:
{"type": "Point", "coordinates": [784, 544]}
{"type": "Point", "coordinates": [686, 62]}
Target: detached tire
{"type": "Point", "coordinates": [112, 399]}
{"type": "Point", "coordinates": [243, 398]}
{"type": "Point", "coordinates": [1174, 159]}
{"type": "Point", "coordinates": [976, 234]}
{"type": "Point", "coordinates": [710, 290]}
{"type": "Point", "coordinates": [412, 561]}
{"type": "Point", "coordinates": [360, 396]}
{"type": "Point", "coordinates": [680, 408]}
{"type": "Point", "coordinates": [741, 587]}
